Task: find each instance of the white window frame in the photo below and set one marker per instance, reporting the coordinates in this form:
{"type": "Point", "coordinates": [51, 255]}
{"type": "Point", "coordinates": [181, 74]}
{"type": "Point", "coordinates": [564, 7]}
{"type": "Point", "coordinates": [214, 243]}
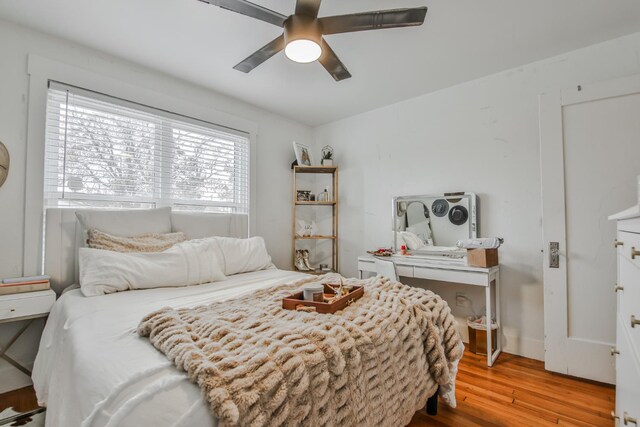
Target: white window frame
{"type": "Point", "coordinates": [161, 195]}
{"type": "Point", "coordinates": [136, 89]}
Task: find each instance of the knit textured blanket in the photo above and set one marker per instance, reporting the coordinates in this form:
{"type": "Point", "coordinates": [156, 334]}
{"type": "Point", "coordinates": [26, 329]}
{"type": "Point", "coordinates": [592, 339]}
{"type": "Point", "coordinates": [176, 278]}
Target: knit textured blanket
{"type": "Point", "coordinates": [374, 363]}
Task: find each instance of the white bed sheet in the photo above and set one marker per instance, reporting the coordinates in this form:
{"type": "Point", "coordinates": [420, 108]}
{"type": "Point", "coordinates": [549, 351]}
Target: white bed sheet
{"type": "Point", "coordinates": [93, 369]}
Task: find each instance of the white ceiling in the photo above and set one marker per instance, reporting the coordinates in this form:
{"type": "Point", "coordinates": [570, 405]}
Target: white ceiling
{"type": "Point", "coordinates": [460, 40]}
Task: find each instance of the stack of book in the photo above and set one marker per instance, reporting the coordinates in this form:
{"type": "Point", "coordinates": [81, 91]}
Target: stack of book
{"type": "Point", "coordinates": [19, 285]}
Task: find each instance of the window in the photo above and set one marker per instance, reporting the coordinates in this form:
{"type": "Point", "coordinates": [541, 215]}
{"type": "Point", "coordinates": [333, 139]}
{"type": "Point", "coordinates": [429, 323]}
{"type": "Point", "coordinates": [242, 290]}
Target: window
{"type": "Point", "coordinates": [103, 151]}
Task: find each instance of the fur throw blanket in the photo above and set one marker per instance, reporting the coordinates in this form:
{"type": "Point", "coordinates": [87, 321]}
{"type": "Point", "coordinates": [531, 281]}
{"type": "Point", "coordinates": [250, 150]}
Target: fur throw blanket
{"type": "Point", "coordinates": [374, 363]}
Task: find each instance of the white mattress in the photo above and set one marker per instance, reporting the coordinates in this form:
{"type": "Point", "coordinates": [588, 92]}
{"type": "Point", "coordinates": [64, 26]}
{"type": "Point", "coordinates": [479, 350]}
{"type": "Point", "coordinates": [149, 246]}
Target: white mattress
{"type": "Point", "coordinates": [93, 369]}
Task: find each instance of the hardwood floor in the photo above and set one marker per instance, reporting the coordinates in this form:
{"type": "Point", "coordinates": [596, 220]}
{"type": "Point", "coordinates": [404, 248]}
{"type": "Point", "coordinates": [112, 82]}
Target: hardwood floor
{"type": "Point", "coordinates": [519, 392]}
{"type": "Point", "coordinates": [21, 400]}
{"type": "Point", "coordinates": [515, 392]}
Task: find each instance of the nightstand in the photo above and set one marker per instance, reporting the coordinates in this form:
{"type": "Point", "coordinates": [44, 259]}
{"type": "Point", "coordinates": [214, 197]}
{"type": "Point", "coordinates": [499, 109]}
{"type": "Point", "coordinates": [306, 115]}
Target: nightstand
{"type": "Point", "coordinates": [25, 306]}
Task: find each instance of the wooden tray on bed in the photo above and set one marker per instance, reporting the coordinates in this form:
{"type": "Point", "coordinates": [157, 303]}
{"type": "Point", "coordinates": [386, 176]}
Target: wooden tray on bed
{"type": "Point", "coordinates": [291, 302]}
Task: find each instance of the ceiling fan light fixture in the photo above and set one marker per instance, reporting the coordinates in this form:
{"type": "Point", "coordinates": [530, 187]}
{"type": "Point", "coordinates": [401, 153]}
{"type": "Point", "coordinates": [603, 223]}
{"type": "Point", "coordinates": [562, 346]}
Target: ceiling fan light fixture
{"type": "Point", "coordinates": [303, 37]}
{"type": "Point", "coordinates": [303, 51]}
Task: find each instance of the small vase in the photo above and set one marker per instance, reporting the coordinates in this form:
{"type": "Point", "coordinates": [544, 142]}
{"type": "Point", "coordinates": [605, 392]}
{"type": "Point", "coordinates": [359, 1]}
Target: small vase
{"type": "Point", "coordinates": [327, 162]}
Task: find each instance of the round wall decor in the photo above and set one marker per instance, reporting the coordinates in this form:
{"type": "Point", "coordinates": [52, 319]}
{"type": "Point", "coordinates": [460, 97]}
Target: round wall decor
{"type": "Point", "coordinates": [4, 163]}
{"type": "Point", "coordinates": [458, 215]}
{"type": "Point", "coordinates": [440, 207]}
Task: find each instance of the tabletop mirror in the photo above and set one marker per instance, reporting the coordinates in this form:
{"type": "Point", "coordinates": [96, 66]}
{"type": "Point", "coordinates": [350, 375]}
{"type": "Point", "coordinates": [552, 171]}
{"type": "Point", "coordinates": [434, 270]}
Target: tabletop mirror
{"type": "Point", "coordinates": [433, 223]}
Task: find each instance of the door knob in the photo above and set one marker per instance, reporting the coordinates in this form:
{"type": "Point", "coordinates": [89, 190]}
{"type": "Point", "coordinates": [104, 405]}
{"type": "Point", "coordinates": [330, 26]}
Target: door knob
{"type": "Point", "coordinates": [634, 321]}
{"type": "Point", "coordinates": [634, 253]}
{"type": "Point", "coordinates": [617, 243]}
{"type": "Point", "coordinates": [627, 419]}
{"type": "Point", "coordinates": [617, 288]}
{"type": "Point", "coordinates": [614, 351]}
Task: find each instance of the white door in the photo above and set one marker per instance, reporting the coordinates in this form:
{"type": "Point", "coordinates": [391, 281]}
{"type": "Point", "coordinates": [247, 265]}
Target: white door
{"type": "Point", "coordinates": [590, 158]}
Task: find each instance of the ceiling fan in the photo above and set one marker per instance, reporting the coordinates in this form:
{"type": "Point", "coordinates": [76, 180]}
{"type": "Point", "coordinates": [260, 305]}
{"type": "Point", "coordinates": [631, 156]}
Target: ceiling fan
{"type": "Point", "coordinates": [302, 39]}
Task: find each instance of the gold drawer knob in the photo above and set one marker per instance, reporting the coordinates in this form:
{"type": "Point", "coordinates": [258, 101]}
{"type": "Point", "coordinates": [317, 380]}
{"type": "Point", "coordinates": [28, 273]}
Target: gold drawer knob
{"type": "Point", "coordinates": [634, 321]}
{"type": "Point", "coordinates": [617, 243]}
{"type": "Point", "coordinates": [617, 288]}
{"type": "Point", "coordinates": [614, 351]}
{"type": "Point", "coordinates": [634, 253]}
{"type": "Point", "coordinates": [627, 419]}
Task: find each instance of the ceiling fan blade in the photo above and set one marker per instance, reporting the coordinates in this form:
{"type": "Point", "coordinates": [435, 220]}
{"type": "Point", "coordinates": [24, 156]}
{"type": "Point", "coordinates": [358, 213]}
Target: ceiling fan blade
{"type": "Point", "coordinates": [261, 55]}
{"type": "Point", "coordinates": [246, 8]}
{"type": "Point", "coordinates": [373, 20]}
{"type": "Point", "coordinates": [308, 7]}
{"type": "Point", "coordinates": [332, 63]}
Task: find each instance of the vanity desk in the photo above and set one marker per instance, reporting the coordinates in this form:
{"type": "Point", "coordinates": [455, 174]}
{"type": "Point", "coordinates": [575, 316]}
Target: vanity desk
{"type": "Point", "coordinates": [451, 272]}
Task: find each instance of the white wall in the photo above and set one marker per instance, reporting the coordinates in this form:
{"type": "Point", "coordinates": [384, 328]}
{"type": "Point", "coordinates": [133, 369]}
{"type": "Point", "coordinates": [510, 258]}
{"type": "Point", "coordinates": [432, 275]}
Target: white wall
{"type": "Point", "coordinates": [273, 157]}
{"type": "Point", "coordinates": [481, 136]}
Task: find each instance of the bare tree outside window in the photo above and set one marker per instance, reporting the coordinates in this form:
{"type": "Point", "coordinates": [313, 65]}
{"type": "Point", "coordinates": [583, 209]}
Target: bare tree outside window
{"type": "Point", "coordinates": [107, 154]}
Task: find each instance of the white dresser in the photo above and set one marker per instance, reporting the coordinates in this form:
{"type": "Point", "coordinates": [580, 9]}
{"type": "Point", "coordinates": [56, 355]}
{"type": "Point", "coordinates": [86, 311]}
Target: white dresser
{"type": "Point", "coordinates": [627, 347]}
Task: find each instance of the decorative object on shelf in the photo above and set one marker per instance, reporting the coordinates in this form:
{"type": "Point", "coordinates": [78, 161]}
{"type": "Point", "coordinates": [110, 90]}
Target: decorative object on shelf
{"type": "Point", "coordinates": [324, 196]}
{"type": "Point", "coordinates": [303, 154]}
{"type": "Point", "coordinates": [327, 155]}
{"type": "Point", "coordinates": [381, 252]}
{"type": "Point", "coordinates": [323, 269]}
{"type": "Point", "coordinates": [312, 197]}
{"type": "Point", "coordinates": [306, 229]}
{"type": "Point", "coordinates": [303, 195]}
{"type": "Point", "coordinates": [4, 163]}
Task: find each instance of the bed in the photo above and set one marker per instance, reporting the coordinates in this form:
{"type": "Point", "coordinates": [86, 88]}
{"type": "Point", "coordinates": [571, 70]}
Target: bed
{"type": "Point", "coordinates": [94, 369]}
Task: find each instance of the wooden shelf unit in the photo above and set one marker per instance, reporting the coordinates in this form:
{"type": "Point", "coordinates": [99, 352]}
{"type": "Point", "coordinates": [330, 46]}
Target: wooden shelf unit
{"type": "Point", "coordinates": [333, 204]}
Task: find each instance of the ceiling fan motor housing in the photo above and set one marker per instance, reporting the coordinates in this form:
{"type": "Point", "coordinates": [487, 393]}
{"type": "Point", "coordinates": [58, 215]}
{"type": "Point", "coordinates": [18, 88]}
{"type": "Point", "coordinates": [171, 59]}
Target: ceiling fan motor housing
{"type": "Point", "coordinates": [301, 27]}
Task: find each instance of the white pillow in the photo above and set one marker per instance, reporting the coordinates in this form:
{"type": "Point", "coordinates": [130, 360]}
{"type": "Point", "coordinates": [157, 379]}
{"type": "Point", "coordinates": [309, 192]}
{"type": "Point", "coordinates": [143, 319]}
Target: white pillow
{"type": "Point", "coordinates": [119, 222]}
{"type": "Point", "coordinates": [188, 263]}
{"type": "Point", "coordinates": [198, 225]}
{"type": "Point", "coordinates": [243, 255]}
{"type": "Point", "coordinates": [412, 240]}
{"type": "Point", "coordinates": [126, 222]}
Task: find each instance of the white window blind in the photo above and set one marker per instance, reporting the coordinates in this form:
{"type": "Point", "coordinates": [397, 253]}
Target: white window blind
{"type": "Point", "coordinates": [103, 151]}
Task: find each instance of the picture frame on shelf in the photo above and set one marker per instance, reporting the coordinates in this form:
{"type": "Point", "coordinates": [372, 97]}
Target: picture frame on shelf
{"type": "Point", "coordinates": [303, 195]}
{"type": "Point", "coordinates": [303, 154]}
